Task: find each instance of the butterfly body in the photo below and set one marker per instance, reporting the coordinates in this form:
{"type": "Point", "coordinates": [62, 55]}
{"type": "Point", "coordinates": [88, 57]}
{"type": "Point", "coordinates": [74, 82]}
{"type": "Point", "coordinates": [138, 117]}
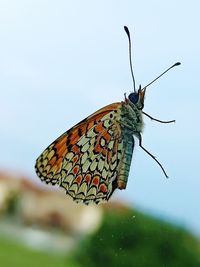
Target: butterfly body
{"type": "Point", "coordinates": [93, 158]}
{"type": "Point", "coordinates": [131, 125]}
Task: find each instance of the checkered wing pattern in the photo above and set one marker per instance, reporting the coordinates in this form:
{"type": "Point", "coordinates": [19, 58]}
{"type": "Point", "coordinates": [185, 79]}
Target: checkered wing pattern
{"type": "Point", "coordinates": [85, 160]}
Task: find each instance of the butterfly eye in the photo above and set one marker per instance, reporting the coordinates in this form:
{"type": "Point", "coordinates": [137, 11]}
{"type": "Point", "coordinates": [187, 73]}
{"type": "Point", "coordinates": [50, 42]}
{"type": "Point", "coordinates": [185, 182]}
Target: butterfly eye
{"type": "Point", "coordinates": [133, 97]}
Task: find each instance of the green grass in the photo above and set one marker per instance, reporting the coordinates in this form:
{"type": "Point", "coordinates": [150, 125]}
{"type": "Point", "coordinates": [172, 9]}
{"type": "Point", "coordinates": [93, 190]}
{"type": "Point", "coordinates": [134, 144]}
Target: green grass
{"type": "Point", "coordinates": [13, 254]}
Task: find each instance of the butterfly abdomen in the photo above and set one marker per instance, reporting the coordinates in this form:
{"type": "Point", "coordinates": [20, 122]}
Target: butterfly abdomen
{"type": "Point", "coordinates": [125, 164]}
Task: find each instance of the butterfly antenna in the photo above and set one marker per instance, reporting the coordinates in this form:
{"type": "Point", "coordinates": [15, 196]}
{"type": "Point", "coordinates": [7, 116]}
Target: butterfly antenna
{"type": "Point", "coordinates": [130, 59]}
{"type": "Point", "coordinates": [176, 64]}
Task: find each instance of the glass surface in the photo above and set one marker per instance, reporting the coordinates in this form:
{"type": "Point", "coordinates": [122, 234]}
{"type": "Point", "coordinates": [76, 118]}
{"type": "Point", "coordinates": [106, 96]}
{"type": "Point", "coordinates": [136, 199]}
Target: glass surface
{"type": "Point", "coordinates": [60, 61]}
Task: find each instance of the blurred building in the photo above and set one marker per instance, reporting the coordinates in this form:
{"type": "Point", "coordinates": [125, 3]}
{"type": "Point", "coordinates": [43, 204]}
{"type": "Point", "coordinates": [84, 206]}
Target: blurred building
{"type": "Point", "coordinates": [44, 207]}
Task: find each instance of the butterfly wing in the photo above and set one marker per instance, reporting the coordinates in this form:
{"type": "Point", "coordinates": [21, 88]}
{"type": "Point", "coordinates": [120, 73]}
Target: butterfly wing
{"type": "Point", "coordinates": [85, 160]}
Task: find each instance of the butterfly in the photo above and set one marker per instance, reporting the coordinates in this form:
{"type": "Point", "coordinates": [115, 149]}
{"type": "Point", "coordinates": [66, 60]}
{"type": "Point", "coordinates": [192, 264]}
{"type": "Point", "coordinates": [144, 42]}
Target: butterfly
{"type": "Point", "coordinates": [92, 159]}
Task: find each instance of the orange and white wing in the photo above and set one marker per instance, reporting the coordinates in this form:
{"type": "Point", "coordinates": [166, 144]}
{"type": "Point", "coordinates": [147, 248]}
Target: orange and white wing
{"type": "Point", "coordinates": [85, 160]}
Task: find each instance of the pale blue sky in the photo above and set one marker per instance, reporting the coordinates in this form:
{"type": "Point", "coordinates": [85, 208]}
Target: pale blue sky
{"type": "Point", "coordinates": [62, 60]}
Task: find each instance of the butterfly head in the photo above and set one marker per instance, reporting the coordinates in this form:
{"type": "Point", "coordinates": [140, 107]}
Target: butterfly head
{"type": "Point", "coordinates": [137, 97]}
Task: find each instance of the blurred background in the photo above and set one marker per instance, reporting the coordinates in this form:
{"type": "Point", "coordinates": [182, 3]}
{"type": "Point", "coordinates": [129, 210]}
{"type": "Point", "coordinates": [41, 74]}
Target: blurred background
{"type": "Point", "coordinates": [59, 62]}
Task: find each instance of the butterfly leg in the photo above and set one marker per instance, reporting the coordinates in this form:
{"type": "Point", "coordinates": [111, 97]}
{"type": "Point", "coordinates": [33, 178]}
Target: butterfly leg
{"type": "Point", "coordinates": [157, 119]}
{"type": "Point", "coordinates": [153, 157]}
